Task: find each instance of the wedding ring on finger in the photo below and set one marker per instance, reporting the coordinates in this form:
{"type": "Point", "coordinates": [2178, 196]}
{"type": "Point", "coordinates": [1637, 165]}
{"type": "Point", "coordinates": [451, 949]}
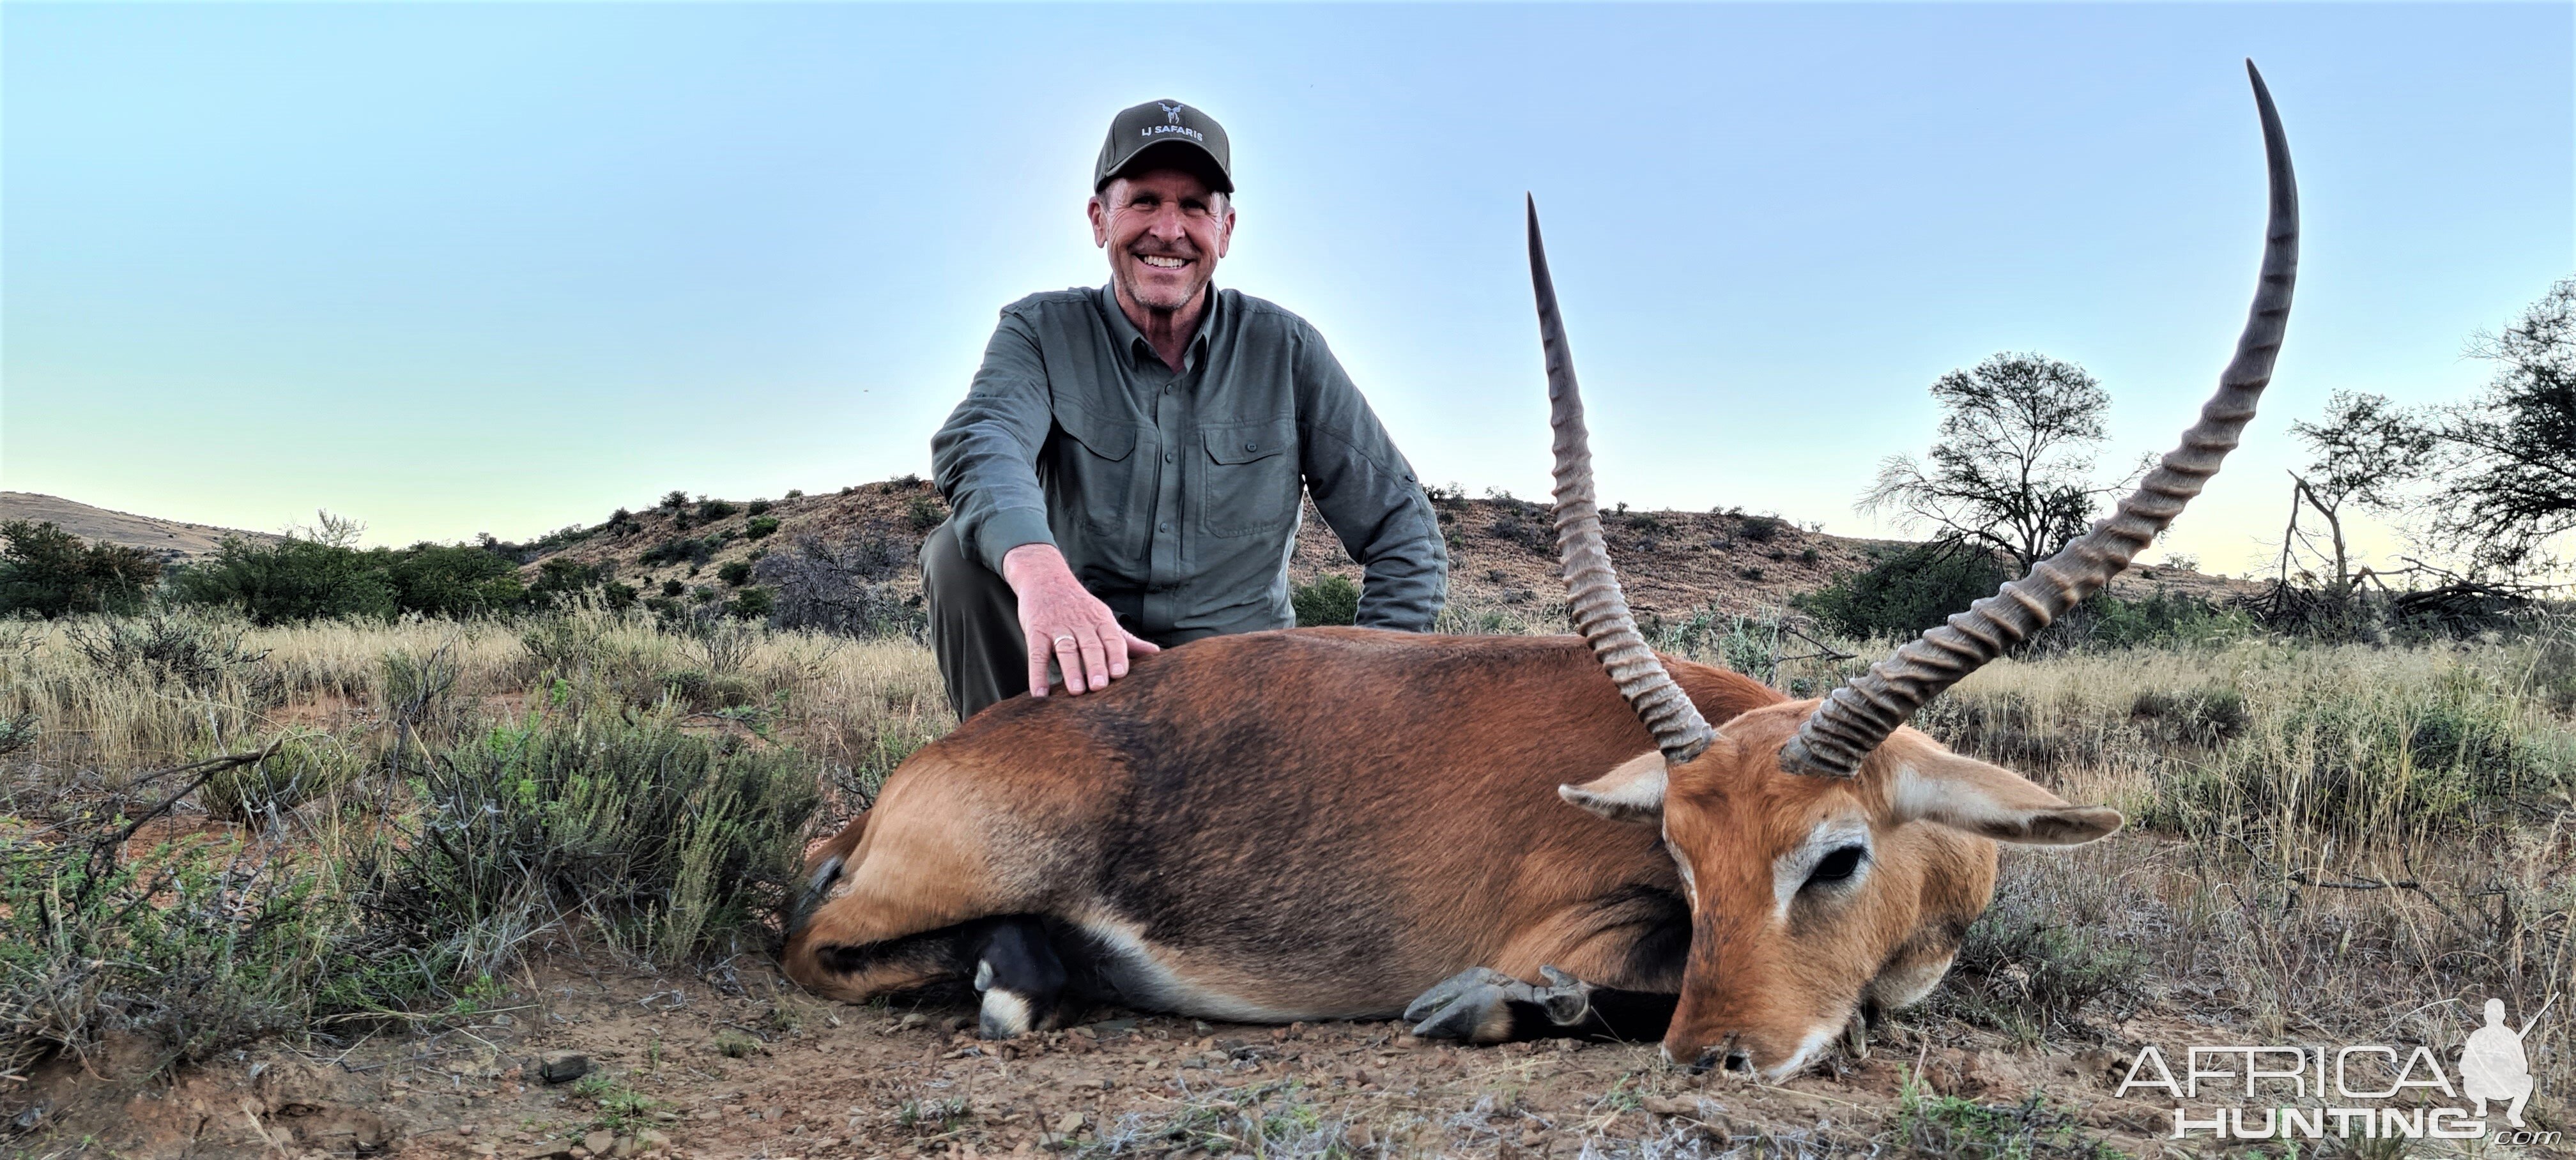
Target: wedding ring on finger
{"type": "Point", "coordinates": [1065, 641]}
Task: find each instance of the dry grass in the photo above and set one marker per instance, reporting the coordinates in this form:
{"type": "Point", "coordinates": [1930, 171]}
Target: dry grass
{"type": "Point", "coordinates": [2330, 843]}
{"type": "Point", "coordinates": [848, 703]}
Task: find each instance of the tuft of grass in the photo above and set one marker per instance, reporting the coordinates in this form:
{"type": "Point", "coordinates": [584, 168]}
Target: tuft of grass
{"type": "Point", "coordinates": [303, 768]}
{"type": "Point", "coordinates": [618, 1108]}
{"type": "Point", "coordinates": [2031, 974]}
{"type": "Point", "coordinates": [2034, 1129]}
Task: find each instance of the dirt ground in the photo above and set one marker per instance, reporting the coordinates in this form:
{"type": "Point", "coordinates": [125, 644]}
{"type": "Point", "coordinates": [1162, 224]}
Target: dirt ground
{"type": "Point", "coordinates": [736, 1063]}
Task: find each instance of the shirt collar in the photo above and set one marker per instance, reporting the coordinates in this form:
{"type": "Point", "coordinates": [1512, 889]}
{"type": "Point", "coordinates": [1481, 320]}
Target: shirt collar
{"type": "Point", "coordinates": [1133, 341]}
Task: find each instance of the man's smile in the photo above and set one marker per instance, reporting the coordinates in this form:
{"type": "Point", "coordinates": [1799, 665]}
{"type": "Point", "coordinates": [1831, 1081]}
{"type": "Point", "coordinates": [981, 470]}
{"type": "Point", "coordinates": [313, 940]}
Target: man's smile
{"type": "Point", "coordinates": [1163, 261]}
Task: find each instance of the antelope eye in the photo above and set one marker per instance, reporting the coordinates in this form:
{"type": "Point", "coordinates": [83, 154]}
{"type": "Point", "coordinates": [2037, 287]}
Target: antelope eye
{"type": "Point", "coordinates": [1838, 866]}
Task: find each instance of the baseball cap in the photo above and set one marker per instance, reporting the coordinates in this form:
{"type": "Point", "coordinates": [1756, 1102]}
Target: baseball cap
{"type": "Point", "coordinates": [1175, 134]}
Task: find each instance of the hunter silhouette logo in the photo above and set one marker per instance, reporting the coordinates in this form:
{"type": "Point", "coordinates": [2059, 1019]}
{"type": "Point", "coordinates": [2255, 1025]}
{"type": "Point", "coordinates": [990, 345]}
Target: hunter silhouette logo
{"type": "Point", "coordinates": [1171, 113]}
{"type": "Point", "coordinates": [2493, 1066]}
{"type": "Point", "coordinates": [2368, 1091]}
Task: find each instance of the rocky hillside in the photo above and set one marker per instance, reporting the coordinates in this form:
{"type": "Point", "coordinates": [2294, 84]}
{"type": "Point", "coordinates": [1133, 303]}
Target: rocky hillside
{"type": "Point", "coordinates": [1501, 550]}
{"type": "Point", "coordinates": [169, 539]}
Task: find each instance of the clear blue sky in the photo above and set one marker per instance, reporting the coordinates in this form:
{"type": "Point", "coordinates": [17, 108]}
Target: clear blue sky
{"type": "Point", "coordinates": [458, 268]}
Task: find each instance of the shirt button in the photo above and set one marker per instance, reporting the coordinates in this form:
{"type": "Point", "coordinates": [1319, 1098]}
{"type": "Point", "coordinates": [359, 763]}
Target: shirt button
{"type": "Point", "coordinates": [1169, 456]}
{"type": "Point", "coordinates": [1250, 447]}
{"type": "Point", "coordinates": [1163, 527]}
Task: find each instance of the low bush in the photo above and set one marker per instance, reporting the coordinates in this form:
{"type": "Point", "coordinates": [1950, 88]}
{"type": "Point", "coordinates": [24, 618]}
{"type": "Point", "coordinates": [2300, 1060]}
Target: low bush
{"type": "Point", "coordinates": [666, 841]}
{"type": "Point", "coordinates": [1330, 599]}
{"type": "Point", "coordinates": [735, 573]}
{"type": "Point", "coordinates": [753, 604]}
{"type": "Point", "coordinates": [924, 513]}
{"type": "Point", "coordinates": [2031, 974]}
{"type": "Point", "coordinates": [715, 509]}
{"type": "Point", "coordinates": [167, 652]}
{"type": "Point", "coordinates": [760, 527]}
{"type": "Point", "coordinates": [845, 588]}
{"type": "Point", "coordinates": [301, 770]}
{"type": "Point", "coordinates": [1529, 532]}
{"type": "Point", "coordinates": [1905, 593]}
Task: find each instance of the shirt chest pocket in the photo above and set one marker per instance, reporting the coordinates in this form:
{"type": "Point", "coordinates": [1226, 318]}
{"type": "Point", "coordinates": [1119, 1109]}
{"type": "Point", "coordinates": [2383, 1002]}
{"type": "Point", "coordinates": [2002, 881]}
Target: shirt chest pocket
{"type": "Point", "coordinates": [1252, 481]}
{"type": "Point", "coordinates": [1100, 484]}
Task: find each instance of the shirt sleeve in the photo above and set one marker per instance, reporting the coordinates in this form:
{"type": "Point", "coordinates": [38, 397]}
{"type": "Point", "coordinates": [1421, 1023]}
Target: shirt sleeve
{"type": "Point", "coordinates": [984, 459]}
{"type": "Point", "coordinates": [1368, 494]}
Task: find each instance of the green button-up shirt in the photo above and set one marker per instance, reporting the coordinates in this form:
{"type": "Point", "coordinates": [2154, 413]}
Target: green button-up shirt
{"type": "Point", "coordinates": [1174, 496]}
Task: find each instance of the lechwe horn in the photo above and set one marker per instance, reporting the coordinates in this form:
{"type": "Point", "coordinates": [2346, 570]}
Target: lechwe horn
{"type": "Point", "coordinates": [1592, 595]}
{"type": "Point", "coordinates": [1860, 714]}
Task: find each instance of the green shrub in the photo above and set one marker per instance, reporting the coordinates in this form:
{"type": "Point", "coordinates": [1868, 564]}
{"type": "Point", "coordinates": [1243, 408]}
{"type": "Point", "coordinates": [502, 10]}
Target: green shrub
{"type": "Point", "coordinates": [452, 580]}
{"type": "Point", "coordinates": [559, 581]}
{"type": "Point", "coordinates": [668, 841]}
{"type": "Point", "coordinates": [753, 604]}
{"type": "Point", "coordinates": [1905, 593]}
{"type": "Point", "coordinates": [674, 588]}
{"type": "Point", "coordinates": [760, 527]}
{"type": "Point", "coordinates": [1761, 529]}
{"type": "Point", "coordinates": [292, 580]}
{"type": "Point", "coordinates": [675, 500]}
{"type": "Point", "coordinates": [2161, 619]}
{"type": "Point", "coordinates": [755, 508]}
{"type": "Point", "coordinates": [924, 513]}
{"type": "Point", "coordinates": [49, 572]}
{"type": "Point", "coordinates": [735, 572]}
{"type": "Point", "coordinates": [795, 493]}
{"type": "Point", "coordinates": [715, 509]}
{"type": "Point", "coordinates": [1329, 600]}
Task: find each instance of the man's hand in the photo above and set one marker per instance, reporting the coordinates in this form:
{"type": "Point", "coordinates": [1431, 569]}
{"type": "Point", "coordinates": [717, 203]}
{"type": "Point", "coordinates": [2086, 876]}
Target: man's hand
{"type": "Point", "coordinates": [1059, 619]}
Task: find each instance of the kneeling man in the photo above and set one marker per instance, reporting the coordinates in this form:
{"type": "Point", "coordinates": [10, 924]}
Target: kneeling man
{"type": "Point", "coordinates": [1125, 470]}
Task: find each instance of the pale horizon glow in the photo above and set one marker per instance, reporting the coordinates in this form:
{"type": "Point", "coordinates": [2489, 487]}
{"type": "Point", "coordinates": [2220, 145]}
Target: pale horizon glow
{"type": "Point", "coordinates": [450, 269]}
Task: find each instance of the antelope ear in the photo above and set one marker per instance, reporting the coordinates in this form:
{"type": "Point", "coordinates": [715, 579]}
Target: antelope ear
{"type": "Point", "coordinates": [1634, 792]}
{"type": "Point", "coordinates": [1968, 794]}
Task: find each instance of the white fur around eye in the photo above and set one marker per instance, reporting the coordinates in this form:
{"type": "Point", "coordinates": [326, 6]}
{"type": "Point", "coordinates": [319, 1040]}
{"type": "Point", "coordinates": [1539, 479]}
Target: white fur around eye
{"type": "Point", "coordinates": [1789, 872]}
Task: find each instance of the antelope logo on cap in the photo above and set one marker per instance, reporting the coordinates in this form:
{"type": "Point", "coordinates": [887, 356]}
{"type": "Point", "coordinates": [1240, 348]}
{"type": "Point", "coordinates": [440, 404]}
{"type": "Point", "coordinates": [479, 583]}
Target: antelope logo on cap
{"type": "Point", "coordinates": [1171, 113]}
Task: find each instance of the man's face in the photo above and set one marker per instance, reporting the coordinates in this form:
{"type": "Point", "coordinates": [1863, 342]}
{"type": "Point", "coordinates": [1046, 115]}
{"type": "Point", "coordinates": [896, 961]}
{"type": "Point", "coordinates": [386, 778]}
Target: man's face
{"type": "Point", "coordinates": [1164, 231]}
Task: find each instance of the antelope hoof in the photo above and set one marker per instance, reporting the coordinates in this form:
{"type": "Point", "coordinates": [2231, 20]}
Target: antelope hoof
{"type": "Point", "coordinates": [1856, 1037]}
{"type": "Point", "coordinates": [1448, 990]}
{"type": "Point", "coordinates": [1475, 1006]}
{"type": "Point", "coordinates": [1022, 982]}
{"type": "Point", "coordinates": [816, 890]}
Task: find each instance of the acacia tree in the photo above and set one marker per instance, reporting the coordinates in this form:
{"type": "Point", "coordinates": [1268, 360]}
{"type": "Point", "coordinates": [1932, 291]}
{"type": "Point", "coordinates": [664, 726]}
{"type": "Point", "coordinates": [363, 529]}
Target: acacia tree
{"type": "Point", "coordinates": [2366, 451]}
{"type": "Point", "coordinates": [2507, 460]}
{"type": "Point", "coordinates": [2012, 470]}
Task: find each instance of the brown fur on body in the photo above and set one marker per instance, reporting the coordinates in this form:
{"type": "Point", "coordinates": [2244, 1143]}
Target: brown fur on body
{"type": "Point", "coordinates": [1322, 823]}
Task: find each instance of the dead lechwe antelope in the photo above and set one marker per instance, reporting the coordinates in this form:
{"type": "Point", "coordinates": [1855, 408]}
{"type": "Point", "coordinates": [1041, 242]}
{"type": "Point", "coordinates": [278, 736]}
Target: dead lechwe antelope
{"type": "Point", "coordinates": [1346, 823]}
